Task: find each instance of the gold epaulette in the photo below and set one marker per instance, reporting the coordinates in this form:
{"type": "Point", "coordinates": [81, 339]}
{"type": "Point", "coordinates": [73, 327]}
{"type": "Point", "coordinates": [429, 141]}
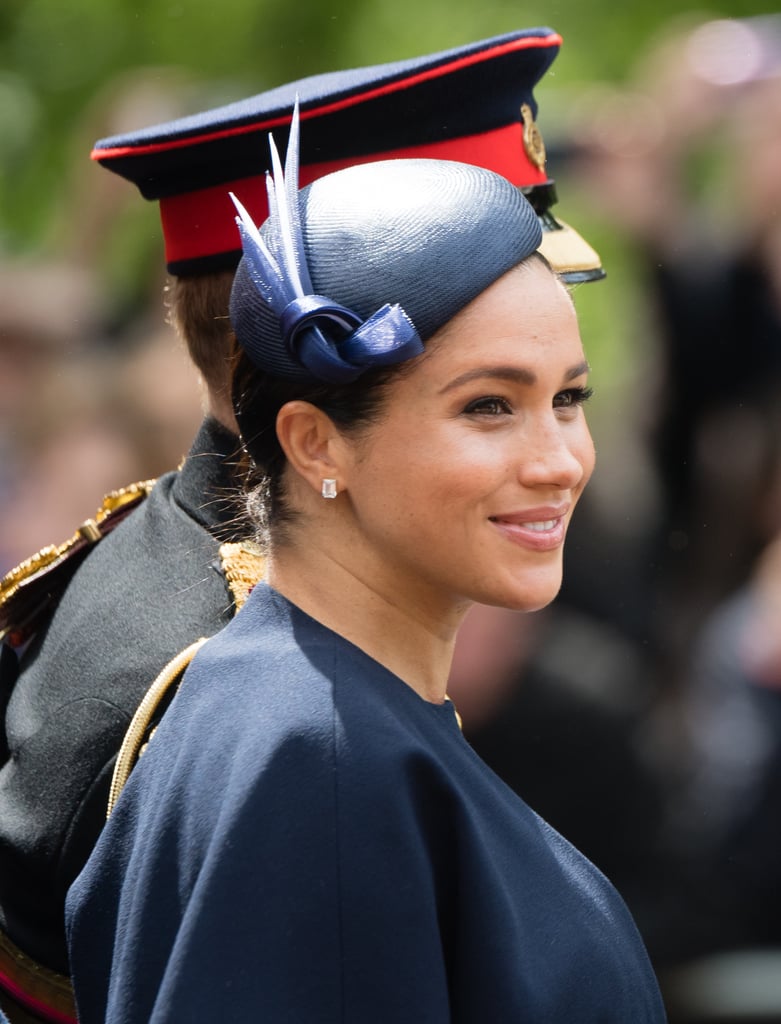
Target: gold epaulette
{"type": "Point", "coordinates": [37, 582]}
{"type": "Point", "coordinates": [243, 565]}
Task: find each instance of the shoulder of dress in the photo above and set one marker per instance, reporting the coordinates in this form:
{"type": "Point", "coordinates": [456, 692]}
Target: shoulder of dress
{"type": "Point", "coordinates": [36, 584]}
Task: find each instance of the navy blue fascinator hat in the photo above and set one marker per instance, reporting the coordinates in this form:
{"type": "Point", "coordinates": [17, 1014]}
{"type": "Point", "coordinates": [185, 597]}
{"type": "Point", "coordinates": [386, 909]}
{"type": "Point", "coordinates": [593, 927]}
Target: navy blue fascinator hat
{"type": "Point", "coordinates": [361, 267]}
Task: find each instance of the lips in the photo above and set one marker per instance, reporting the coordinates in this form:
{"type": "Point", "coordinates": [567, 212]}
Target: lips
{"type": "Point", "coordinates": [536, 529]}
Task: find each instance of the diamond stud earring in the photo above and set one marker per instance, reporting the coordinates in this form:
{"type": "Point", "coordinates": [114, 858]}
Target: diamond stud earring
{"type": "Point", "coordinates": [328, 490]}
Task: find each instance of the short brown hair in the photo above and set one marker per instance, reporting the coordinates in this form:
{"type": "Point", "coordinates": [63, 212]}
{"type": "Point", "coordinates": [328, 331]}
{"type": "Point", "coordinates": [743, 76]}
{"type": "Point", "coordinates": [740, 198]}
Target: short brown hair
{"type": "Point", "coordinates": [198, 309]}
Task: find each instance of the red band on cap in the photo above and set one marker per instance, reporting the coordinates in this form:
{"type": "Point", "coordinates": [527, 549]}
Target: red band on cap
{"type": "Point", "coordinates": [522, 43]}
{"type": "Point", "coordinates": [202, 223]}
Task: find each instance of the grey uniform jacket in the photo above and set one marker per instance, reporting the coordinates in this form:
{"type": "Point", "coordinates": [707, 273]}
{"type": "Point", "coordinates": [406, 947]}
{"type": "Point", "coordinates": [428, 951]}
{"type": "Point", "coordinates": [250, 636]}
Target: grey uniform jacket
{"type": "Point", "coordinates": [142, 594]}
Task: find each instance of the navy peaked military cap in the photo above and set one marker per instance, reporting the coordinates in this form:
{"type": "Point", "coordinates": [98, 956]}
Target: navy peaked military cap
{"type": "Point", "coordinates": [473, 104]}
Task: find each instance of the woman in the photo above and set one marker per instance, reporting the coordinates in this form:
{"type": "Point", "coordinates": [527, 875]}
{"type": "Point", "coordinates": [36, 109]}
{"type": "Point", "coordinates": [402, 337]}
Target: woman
{"type": "Point", "coordinates": [309, 837]}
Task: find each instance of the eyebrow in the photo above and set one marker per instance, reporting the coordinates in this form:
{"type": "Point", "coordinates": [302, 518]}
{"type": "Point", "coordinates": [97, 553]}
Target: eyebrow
{"type": "Point", "coordinates": [514, 374]}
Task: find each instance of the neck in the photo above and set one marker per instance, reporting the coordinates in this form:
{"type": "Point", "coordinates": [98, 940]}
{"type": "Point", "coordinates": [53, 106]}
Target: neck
{"type": "Point", "coordinates": [219, 407]}
{"type": "Point", "coordinates": [404, 634]}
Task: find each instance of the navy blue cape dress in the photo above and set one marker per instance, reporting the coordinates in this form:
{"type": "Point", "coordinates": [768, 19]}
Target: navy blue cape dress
{"type": "Point", "coordinates": [307, 840]}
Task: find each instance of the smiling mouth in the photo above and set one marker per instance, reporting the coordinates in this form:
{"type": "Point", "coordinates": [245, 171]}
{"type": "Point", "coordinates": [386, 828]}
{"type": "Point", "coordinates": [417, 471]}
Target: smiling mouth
{"type": "Point", "coordinates": [534, 534]}
{"type": "Point", "coordinates": [540, 526]}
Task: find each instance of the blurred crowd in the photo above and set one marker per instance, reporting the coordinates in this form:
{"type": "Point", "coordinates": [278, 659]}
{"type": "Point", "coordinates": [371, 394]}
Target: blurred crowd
{"type": "Point", "coordinates": [641, 713]}
{"type": "Point", "coordinates": [96, 390]}
{"type": "Point", "coordinates": [80, 414]}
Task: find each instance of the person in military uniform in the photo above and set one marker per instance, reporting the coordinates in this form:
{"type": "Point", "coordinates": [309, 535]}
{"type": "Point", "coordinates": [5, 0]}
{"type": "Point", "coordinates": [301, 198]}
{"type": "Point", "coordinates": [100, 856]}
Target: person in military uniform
{"type": "Point", "coordinates": [92, 625]}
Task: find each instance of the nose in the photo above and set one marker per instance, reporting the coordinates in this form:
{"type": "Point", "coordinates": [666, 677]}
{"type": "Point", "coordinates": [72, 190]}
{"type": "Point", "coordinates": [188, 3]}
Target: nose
{"type": "Point", "coordinates": [556, 454]}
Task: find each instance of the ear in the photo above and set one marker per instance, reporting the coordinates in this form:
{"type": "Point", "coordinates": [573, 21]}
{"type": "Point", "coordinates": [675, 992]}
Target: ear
{"type": "Point", "coordinates": [311, 442]}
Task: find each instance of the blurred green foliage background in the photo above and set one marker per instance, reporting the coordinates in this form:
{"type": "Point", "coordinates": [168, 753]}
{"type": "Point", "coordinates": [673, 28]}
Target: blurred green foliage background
{"type": "Point", "coordinates": [76, 71]}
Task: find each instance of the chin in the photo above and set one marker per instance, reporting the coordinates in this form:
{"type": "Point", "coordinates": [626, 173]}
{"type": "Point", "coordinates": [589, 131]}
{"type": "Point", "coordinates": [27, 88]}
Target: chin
{"type": "Point", "coordinates": [531, 595]}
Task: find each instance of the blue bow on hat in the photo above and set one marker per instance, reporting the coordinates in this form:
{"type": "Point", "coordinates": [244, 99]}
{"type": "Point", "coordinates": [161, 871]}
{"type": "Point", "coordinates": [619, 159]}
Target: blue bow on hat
{"type": "Point", "coordinates": [332, 342]}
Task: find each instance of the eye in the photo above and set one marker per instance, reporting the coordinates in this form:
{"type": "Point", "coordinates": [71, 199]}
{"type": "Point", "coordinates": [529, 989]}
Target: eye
{"type": "Point", "coordinates": [572, 397]}
{"type": "Point", "coordinates": [488, 406]}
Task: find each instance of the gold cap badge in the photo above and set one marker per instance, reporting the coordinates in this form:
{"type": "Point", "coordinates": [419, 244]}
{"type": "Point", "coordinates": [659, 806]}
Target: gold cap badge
{"type": "Point", "coordinates": [532, 138]}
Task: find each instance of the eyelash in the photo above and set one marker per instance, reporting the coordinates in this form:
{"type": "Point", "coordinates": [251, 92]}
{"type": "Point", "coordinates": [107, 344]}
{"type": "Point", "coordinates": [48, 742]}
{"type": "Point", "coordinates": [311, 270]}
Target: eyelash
{"type": "Point", "coordinates": [573, 397]}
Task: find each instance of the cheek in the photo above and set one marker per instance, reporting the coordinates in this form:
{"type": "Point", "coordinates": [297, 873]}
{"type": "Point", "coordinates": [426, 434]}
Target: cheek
{"type": "Point", "coordinates": [410, 483]}
{"type": "Point", "coordinates": [582, 448]}
{"type": "Point", "coordinates": [590, 461]}
{"type": "Point", "coordinates": [468, 469]}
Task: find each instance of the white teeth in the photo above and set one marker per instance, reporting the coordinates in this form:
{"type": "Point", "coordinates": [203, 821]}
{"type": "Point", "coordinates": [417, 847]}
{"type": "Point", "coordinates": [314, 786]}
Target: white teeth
{"type": "Point", "coordinates": [548, 524]}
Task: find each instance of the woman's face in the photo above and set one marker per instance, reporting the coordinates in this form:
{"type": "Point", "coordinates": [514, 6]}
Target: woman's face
{"type": "Point", "coordinates": [464, 487]}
